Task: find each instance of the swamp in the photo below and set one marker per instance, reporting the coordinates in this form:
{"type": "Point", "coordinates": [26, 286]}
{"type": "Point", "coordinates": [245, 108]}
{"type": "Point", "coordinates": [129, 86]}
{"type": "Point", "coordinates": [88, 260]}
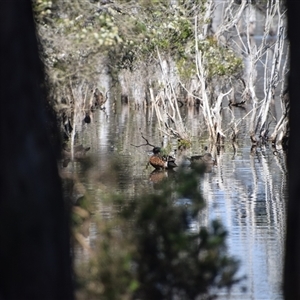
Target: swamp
{"type": "Point", "coordinates": [205, 81]}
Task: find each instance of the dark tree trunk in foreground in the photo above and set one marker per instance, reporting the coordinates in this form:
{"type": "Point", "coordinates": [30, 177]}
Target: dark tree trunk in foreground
{"type": "Point", "coordinates": [292, 260]}
{"type": "Point", "coordinates": [35, 258]}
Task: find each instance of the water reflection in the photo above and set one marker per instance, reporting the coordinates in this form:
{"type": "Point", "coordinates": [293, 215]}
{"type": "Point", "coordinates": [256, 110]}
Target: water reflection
{"type": "Point", "coordinates": [247, 193]}
{"type": "Point", "coordinates": [245, 189]}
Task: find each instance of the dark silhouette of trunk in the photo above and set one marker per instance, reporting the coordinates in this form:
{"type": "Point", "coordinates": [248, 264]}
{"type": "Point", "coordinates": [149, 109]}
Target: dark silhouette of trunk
{"type": "Point", "coordinates": [35, 260]}
{"type": "Point", "coordinates": [292, 259]}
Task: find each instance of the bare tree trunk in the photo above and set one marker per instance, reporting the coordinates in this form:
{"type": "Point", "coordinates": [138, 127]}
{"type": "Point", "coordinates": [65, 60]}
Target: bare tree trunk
{"type": "Point", "coordinates": [35, 258]}
{"type": "Point", "coordinates": [292, 259]}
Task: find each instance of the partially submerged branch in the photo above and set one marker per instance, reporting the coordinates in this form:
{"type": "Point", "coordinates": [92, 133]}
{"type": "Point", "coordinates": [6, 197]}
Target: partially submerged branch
{"type": "Point", "coordinates": [147, 143]}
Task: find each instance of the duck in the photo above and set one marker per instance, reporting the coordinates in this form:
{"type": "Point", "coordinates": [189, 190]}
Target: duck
{"type": "Point", "coordinates": [159, 162]}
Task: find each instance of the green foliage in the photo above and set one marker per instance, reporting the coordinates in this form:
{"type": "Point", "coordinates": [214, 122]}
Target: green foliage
{"type": "Point", "coordinates": [80, 38]}
{"type": "Point", "coordinates": [172, 35]}
{"type": "Point", "coordinates": [42, 9]}
{"type": "Point", "coordinates": [219, 61]}
{"type": "Point", "coordinates": [184, 144]}
{"type": "Point", "coordinates": [150, 251]}
{"type": "Point", "coordinates": [156, 25]}
{"type": "Point", "coordinates": [186, 67]}
{"type": "Point", "coordinates": [75, 32]}
{"type": "Point", "coordinates": [75, 36]}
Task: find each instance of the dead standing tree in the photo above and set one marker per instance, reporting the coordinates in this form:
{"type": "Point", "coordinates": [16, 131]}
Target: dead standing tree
{"type": "Point", "coordinates": [273, 62]}
{"type": "Point", "coordinates": [271, 53]}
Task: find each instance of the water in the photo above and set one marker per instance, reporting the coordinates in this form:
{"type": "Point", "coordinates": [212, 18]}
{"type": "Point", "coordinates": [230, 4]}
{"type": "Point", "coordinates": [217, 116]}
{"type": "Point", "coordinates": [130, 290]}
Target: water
{"type": "Point", "coordinates": [246, 190]}
{"type": "Point", "coordinates": [247, 193]}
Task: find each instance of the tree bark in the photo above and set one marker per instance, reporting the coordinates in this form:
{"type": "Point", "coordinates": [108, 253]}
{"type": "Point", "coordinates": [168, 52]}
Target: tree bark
{"type": "Point", "coordinates": [292, 259]}
{"type": "Point", "coordinates": [35, 258]}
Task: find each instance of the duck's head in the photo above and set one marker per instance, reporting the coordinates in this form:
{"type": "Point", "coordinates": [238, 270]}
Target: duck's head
{"type": "Point", "coordinates": [156, 150]}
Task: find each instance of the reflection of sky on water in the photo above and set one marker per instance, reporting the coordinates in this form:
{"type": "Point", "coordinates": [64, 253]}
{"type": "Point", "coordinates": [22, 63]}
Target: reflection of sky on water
{"type": "Point", "coordinates": [247, 194]}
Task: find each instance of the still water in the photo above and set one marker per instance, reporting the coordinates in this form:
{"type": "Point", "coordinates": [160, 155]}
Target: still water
{"type": "Point", "coordinates": [246, 189]}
